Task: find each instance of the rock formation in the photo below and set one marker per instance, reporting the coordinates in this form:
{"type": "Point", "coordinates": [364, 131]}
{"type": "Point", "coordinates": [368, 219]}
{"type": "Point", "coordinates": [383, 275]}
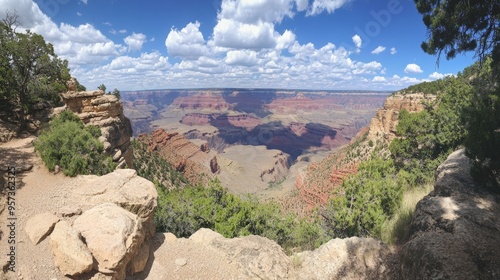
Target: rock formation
{"type": "Point", "coordinates": [106, 112]}
{"type": "Point", "coordinates": [253, 257]}
{"type": "Point", "coordinates": [317, 183]}
{"type": "Point", "coordinates": [195, 163]}
{"type": "Point", "coordinates": [455, 231]}
{"type": "Point", "coordinates": [383, 125]}
{"type": "Point", "coordinates": [109, 238]}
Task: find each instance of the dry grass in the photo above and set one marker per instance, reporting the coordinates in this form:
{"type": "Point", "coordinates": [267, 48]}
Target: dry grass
{"type": "Point", "coordinates": [395, 230]}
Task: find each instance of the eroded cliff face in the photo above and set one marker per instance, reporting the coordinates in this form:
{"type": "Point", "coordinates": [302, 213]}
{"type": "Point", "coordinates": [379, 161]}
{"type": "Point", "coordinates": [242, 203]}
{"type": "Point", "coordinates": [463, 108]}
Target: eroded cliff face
{"type": "Point", "coordinates": [383, 125]}
{"type": "Point", "coordinates": [316, 184]}
{"type": "Point", "coordinates": [197, 163]}
{"type": "Point", "coordinates": [106, 112]}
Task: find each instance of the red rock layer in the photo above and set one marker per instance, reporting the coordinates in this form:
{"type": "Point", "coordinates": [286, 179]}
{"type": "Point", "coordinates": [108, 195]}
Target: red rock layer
{"type": "Point", "coordinates": [186, 157]}
{"type": "Point", "coordinates": [205, 100]}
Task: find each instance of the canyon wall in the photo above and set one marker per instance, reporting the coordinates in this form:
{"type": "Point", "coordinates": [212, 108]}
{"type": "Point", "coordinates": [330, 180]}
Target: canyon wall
{"type": "Point", "coordinates": [317, 182]}
{"type": "Point", "coordinates": [197, 163]}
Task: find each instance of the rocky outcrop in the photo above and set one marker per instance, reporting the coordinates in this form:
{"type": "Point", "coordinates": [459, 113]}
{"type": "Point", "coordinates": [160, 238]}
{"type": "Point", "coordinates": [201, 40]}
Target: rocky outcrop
{"type": "Point", "coordinates": [105, 231]}
{"type": "Point", "coordinates": [350, 258]}
{"type": "Point", "coordinates": [106, 112]}
{"type": "Point", "coordinates": [317, 183]}
{"type": "Point", "coordinates": [383, 126]}
{"type": "Point", "coordinates": [195, 163]}
{"type": "Point", "coordinates": [253, 257]}
{"type": "Point", "coordinates": [455, 231]}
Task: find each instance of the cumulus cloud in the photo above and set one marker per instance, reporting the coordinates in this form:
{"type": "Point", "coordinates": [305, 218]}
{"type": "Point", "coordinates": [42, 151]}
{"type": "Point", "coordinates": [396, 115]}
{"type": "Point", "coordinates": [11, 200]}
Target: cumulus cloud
{"type": "Point", "coordinates": [393, 51]}
{"type": "Point", "coordinates": [319, 6]}
{"type": "Point", "coordinates": [357, 42]}
{"type": "Point", "coordinates": [83, 44]}
{"type": "Point", "coordinates": [378, 79]}
{"type": "Point", "coordinates": [413, 69]}
{"type": "Point", "coordinates": [135, 41]}
{"type": "Point", "coordinates": [237, 35]}
{"type": "Point", "coordinates": [378, 50]}
{"type": "Point", "coordinates": [436, 75]}
{"type": "Point", "coordinates": [241, 57]}
{"type": "Point", "coordinates": [187, 43]}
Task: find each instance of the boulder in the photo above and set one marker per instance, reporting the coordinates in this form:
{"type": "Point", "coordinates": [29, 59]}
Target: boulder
{"type": "Point", "coordinates": [40, 226]}
{"type": "Point", "coordinates": [70, 254]}
{"type": "Point", "coordinates": [127, 190]}
{"type": "Point", "coordinates": [254, 256]}
{"type": "Point", "coordinates": [112, 235]}
{"type": "Point", "coordinates": [455, 231]}
{"type": "Point", "coordinates": [350, 258]}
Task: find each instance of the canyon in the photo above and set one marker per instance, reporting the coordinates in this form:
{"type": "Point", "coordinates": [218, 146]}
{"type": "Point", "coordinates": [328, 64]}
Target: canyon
{"type": "Point", "coordinates": [256, 140]}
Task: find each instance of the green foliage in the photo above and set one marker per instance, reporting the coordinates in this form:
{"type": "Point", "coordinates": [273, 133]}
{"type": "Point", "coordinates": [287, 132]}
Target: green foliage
{"type": "Point", "coordinates": [365, 201]}
{"type": "Point", "coordinates": [102, 87]}
{"type": "Point", "coordinates": [426, 138]}
{"type": "Point", "coordinates": [184, 211]}
{"type": "Point", "coordinates": [30, 70]}
{"type": "Point", "coordinates": [74, 147]}
{"type": "Point", "coordinates": [457, 26]}
{"type": "Point", "coordinates": [116, 93]}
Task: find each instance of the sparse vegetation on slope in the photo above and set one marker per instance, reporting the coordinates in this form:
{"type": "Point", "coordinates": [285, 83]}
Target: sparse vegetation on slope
{"type": "Point", "coordinates": [73, 146]}
{"type": "Point", "coordinates": [183, 208]}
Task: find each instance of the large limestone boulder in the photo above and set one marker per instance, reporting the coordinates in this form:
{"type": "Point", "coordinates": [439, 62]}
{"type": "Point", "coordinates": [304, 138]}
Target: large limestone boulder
{"type": "Point", "coordinates": [455, 231]}
{"type": "Point", "coordinates": [255, 256]}
{"type": "Point", "coordinates": [40, 226]}
{"type": "Point", "coordinates": [112, 234]}
{"type": "Point", "coordinates": [350, 258]}
{"type": "Point", "coordinates": [70, 254]}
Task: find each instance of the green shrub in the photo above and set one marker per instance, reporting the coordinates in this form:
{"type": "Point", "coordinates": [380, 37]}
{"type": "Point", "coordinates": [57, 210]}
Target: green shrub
{"type": "Point", "coordinates": [74, 147]}
{"type": "Point", "coordinates": [184, 211]}
{"type": "Point", "coordinates": [364, 201]}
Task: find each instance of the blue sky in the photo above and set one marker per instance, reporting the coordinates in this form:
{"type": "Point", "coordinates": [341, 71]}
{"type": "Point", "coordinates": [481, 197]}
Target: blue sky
{"type": "Point", "coordinates": [297, 44]}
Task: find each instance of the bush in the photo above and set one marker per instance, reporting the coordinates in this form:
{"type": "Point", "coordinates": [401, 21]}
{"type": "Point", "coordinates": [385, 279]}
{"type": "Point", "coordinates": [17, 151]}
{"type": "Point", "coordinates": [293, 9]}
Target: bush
{"type": "Point", "coordinates": [364, 202]}
{"type": "Point", "coordinates": [184, 211]}
{"type": "Point", "coordinates": [74, 147]}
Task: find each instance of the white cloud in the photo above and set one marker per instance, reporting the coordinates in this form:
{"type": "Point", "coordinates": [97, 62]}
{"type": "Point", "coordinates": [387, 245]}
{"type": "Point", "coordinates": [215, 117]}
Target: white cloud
{"type": "Point", "coordinates": [135, 41]}
{"type": "Point", "coordinates": [232, 34]}
{"type": "Point", "coordinates": [378, 79]}
{"type": "Point", "coordinates": [393, 51]}
{"type": "Point", "coordinates": [187, 43]}
{"type": "Point", "coordinates": [436, 75]}
{"type": "Point", "coordinates": [413, 68]}
{"type": "Point", "coordinates": [285, 40]}
{"type": "Point", "coordinates": [319, 6]}
{"type": "Point", "coordinates": [378, 50]}
{"type": "Point", "coordinates": [122, 31]}
{"type": "Point", "coordinates": [357, 42]}
{"type": "Point", "coordinates": [253, 12]}
{"type": "Point", "coordinates": [241, 57]}
{"type": "Point", "coordinates": [302, 5]}
{"type": "Point", "coordinates": [79, 14]}
{"type": "Point", "coordinates": [84, 1]}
